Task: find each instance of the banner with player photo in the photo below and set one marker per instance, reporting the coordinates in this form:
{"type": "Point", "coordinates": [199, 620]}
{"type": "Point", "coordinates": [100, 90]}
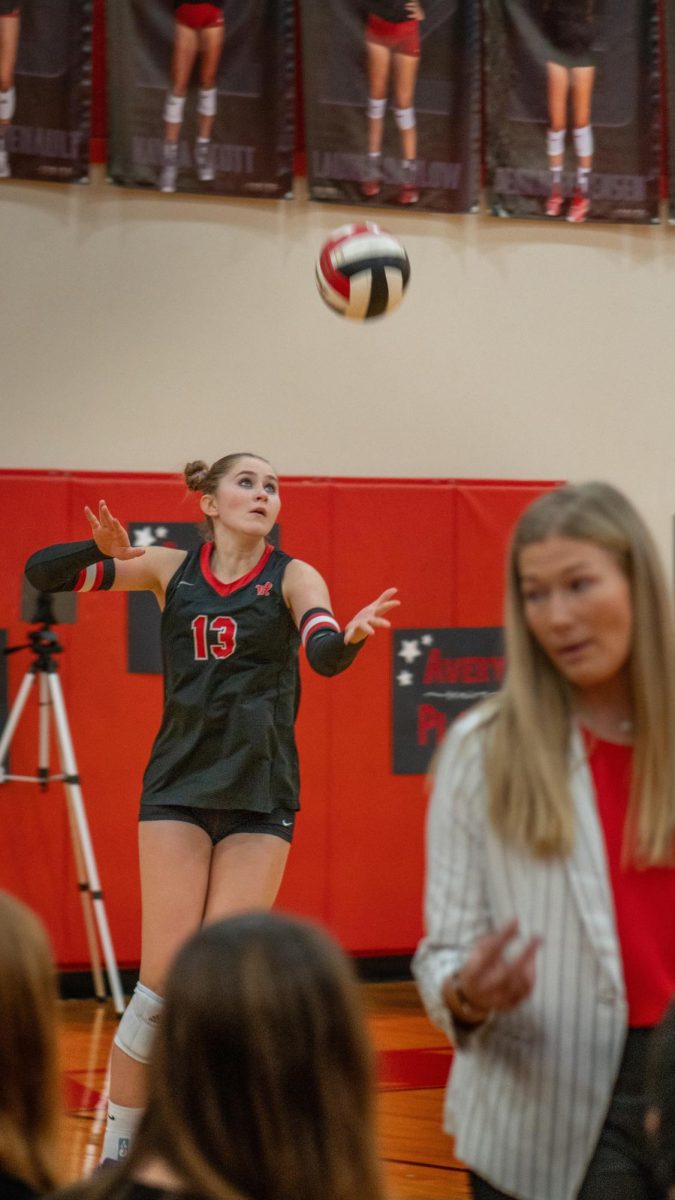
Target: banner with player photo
{"type": "Point", "coordinates": [573, 121]}
{"type": "Point", "coordinates": [670, 109]}
{"type": "Point", "coordinates": [45, 81]}
{"type": "Point", "coordinates": [201, 96]}
{"type": "Point", "coordinates": [436, 675]}
{"type": "Point", "coordinates": [144, 654]}
{"type": "Point", "coordinates": [392, 102]}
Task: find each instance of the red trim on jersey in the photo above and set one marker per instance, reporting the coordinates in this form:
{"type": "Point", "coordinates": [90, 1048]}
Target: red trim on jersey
{"type": "Point", "coordinates": [644, 899]}
{"type": "Point", "coordinates": [80, 580]}
{"type": "Point", "coordinates": [225, 589]}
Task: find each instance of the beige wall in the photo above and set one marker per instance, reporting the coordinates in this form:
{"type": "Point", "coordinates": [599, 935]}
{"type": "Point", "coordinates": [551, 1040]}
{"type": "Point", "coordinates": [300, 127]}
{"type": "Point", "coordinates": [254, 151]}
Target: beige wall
{"type": "Point", "coordinates": [140, 330]}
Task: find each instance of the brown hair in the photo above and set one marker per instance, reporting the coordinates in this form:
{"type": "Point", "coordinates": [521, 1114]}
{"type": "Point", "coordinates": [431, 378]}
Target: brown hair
{"type": "Point", "coordinates": [528, 743]}
{"type": "Point", "coordinates": [29, 1076]}
{"type": "Point", "coordinates": [199, 477]}
{"type": "Point", "coordinates": [261, 1078]}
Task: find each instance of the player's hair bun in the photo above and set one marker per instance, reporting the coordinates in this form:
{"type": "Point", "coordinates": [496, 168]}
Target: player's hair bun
{"type": "Point", "coordinates": [196, 474]}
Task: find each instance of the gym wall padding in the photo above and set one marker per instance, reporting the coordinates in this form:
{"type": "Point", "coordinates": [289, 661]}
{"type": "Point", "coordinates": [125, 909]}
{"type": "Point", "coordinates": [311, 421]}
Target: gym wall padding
{"type": "Point", "coordinates": [357, 860]}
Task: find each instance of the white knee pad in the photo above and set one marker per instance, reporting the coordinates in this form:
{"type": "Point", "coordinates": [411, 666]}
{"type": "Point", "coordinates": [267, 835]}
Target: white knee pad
{"type": "Point", "coordinates": [555, 142]}
{"type": "Point", "coordinates": [583, 141]}
{"type": "Point", "coordinates": [206, 102]}
{"type": "Point", "coordinates": [7, 104]}
{"type": "Point", "coordinates": [405, 118]}
{"type": "Point", "coordinates": [173, 109]}
{"type": "Point", "coordinates": [136, 1031]}
{"type": "Point", "coordinates": [376, 108]}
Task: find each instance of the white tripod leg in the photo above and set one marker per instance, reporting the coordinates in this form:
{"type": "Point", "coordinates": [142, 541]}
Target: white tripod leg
{"type": "Point", "coordinates": [82, 882]}
{"type": "Point", "coordinates": [72, 783]}
{"type": "Point", "coordinates": [13, 720]}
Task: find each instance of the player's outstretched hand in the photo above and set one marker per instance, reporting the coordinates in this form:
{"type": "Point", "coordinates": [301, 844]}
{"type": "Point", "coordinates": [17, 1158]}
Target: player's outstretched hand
{"type": "Point", "coordinates": [414, 10]}
{"type": "Point", "coordinates": [110, 537]}
{"type": "Point", "coordinates": [371, 617]}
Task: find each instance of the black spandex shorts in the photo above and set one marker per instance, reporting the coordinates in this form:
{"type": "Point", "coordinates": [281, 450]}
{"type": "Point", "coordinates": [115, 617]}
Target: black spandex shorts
{"type": "Point", "coordinates": [220, 823]}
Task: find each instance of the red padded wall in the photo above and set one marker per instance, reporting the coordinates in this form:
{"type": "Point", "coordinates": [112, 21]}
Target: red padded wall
{"type": "Point", "coordinates": [357, 861]}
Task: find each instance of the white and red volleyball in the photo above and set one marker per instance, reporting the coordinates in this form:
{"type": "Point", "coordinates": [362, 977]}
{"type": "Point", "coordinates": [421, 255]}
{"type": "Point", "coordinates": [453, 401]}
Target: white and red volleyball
{"type": "Point", "coordinates": [362, 271]}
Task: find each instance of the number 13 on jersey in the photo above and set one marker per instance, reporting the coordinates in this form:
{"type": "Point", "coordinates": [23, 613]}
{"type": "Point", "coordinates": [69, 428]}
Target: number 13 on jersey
{"type": "Point", "coordinates": [225, 630]}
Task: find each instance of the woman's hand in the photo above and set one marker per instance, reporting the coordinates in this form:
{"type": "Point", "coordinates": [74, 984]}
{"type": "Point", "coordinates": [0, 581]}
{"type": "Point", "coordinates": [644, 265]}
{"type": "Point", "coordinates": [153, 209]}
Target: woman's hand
{"type": "Point", "coordinates": [414, 10]}
{"type": "Point", "coordinates": [110, 537]}
{"type": "Point", "coordinates": [490, 981]}
{"type": "Point", "coordinates": [370, 618]}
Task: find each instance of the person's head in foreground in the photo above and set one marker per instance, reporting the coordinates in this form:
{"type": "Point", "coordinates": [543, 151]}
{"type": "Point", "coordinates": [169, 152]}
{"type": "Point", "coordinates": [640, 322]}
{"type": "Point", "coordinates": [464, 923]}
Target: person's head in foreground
{"type": "Point", "coordinates": [29, 1083]}
{"type": "Point", "coordinates": [261, 1078]}
{"type": "Point", "coordinates": [589, 635]}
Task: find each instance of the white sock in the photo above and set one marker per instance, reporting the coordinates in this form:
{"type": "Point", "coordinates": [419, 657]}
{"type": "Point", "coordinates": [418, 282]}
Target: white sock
{"type": "Point", "coordinates": [556, 175]}
{"type": "Point", "coordinates": [583, 174]}
{"type": "Point", "coordinates": [121, 1125]}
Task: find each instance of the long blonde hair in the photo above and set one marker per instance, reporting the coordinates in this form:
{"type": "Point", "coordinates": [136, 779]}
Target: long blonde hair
{"type": "Point", "coordinates": [29, 1077]}
{"type": "Point", "coordinates": [529, 733]}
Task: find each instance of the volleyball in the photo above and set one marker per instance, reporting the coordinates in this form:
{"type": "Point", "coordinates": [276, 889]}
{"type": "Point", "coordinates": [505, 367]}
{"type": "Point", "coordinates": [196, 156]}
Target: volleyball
{"type": "Point", "coordinates": [362, 271]}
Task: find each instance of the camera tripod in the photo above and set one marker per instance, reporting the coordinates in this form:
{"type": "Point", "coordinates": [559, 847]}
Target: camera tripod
{"type": "Point", "coordinates": [44, 645]}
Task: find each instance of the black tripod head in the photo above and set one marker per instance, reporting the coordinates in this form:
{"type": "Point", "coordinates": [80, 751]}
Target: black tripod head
{"type": "Point", "coordinates": [43, 642]}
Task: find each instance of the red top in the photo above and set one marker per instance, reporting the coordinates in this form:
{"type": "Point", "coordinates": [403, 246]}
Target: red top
{"type": "Point", "coordinates": [644, 900]}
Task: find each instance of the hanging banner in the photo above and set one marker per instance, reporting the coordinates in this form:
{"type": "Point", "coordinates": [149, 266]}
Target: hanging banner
{"type": "Point", "coordinates": [670, 109]}
{"type": "Point", "coordinates": [573, 127]}
{"type": "Point", "coordinates": [201, 96]}
{"type": "Point", "coordinates": [45, 101]}
{"type": "Point", "coordinates": [392, 102]}
{"type": "Point", "coordinates": [436, 675]}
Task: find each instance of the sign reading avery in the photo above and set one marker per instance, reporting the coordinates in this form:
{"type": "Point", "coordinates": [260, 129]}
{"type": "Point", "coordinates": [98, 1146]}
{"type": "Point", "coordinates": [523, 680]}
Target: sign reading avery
{"type": "Point", "coordinates": [436, 675]}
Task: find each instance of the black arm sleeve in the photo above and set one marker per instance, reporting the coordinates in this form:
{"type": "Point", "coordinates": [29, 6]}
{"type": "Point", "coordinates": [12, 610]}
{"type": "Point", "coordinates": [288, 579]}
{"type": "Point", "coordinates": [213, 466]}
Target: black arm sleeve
{"type": "Point", "coordinates": [324, 643]}
{"type": "Point", "coordinates": [64, 568]}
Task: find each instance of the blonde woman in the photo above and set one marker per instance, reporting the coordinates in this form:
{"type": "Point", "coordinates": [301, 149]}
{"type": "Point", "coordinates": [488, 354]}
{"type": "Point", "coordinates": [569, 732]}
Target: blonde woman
{"type": "Point", "coordinates": [549, 952]}
{"type": "Point", "coordinates": [29, 1079]}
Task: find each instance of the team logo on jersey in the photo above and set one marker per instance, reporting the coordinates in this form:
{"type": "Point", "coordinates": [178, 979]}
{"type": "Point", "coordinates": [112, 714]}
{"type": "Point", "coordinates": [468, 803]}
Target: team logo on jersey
{"type": "Point", "coordinates": [263, 589]}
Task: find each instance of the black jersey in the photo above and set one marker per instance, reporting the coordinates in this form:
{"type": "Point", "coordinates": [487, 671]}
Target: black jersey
{"type": "Point", "coordinates": [394, 11]}
{"type": "Point", "coordinates": [231, 688]}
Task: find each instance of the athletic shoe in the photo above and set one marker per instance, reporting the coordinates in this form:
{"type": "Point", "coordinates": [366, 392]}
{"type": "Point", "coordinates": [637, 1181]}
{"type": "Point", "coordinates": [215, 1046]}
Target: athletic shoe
{"type": "Point", "coordinates": [554, 202]}
{"type": "Point", "coordinates": [168, 177]}
{"type": "Point", "coordinates": [4, 162]}
{"type": "Point", "coordinates": [578, 210]}
{"type": "Point", "coordinates": [408, 194]}
{"type": "Point", "coordinates": [206, 171]}
{"type": "Point", "coordinates": [370, 188]}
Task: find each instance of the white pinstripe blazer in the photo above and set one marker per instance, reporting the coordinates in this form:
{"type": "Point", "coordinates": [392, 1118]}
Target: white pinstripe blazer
{"type": "Point", "coordinates": [529, 1090]}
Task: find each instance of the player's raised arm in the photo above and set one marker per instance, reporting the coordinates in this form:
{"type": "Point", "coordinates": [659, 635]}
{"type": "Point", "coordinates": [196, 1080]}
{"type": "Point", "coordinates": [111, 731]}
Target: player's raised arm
{"type": "Point", "coordinates": [329, 648]}
{"type": "Point", "coordinates": [106, 562]}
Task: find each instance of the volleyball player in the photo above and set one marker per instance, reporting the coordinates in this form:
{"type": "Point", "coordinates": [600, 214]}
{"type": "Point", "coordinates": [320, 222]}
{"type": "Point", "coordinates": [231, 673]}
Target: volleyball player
{"type": "Point", "coordinates": [199, 32]}
{"type": "Point", "coordinates": [220, 792]}
{"type": "Point", "coordinates": [570, 27]}
{"type": "Point", "coordinates": [393, 49]}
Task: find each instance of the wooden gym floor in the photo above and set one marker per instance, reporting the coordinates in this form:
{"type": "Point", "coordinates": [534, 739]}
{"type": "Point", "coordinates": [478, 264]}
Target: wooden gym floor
{"type": "Point", "coordinates": [413, 1061]}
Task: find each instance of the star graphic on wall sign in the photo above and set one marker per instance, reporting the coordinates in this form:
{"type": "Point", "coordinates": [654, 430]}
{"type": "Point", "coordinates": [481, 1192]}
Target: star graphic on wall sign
{"type": "Point", "coordinates": [144, 536]}
{"type": "Point", "coordinates": [404, 678]}
{"type": "Point", "coordinates": [409, 650]}
{"type": "Point", "coordinates": [427, 639]}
